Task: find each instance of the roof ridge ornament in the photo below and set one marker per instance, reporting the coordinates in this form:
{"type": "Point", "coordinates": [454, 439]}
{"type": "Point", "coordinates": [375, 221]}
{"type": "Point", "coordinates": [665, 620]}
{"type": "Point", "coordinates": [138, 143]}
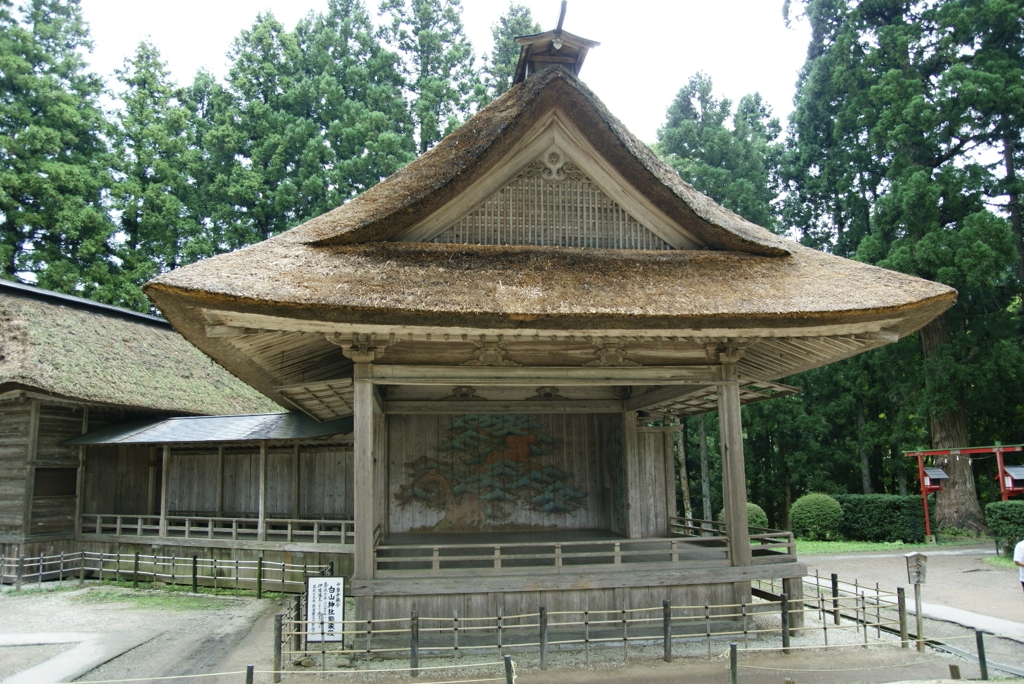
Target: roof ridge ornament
{"type": "Point", "coordinates": [551, 47]}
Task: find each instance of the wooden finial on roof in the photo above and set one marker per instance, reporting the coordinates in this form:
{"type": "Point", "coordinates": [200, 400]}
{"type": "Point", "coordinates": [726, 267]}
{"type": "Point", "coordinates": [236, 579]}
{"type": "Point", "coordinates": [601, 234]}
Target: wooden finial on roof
{"type": "Point", "coordinates": [551, 47]}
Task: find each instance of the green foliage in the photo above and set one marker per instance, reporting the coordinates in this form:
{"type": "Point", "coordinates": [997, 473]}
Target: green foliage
{"type": "Point", "coordinates": [756, 517]}
{"type": "Point", "coordinates": [440, 81]}
{"type": "Point", "coordinates": [816, 516]}
{"type": "Point", "coordinates": [734, 166]}
{"type": "Point", "coordinates": [881, 518]}
{"type": "Point", "coordinates": [1006, 521]}
{"type": "Point", "coordinates": [53, 155]}
{"type": "Point", "coordinates": [499, 69]}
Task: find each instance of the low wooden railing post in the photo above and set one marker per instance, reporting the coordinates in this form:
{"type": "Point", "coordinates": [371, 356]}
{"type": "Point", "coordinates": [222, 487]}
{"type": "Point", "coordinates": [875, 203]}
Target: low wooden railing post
{"type": "Point", "coordinates": [979, 637]}
{"type": "Point", "coordinates": [901, 600]}
{"type": "Point", "coordinates": [509, 673]}
{"type": "Point", "coordinates": [835, 598]}
{"type": "Point", "coordinates": [135, 572]}
{"type": "Point", "coordinates": [733, 675]}
{"type": "Point", "coordinates": [543, 620]}
{"type": "Point", "coordinates": [414, 644]}
{"type": "Point", "coordinates": [784, 606]}
{"type": "Point", "coordinates": [248, 674]}
{"type": "Point", "coordinates": [259, 577]}
{"type": "Point", "coordinates": [297, 633]}
{"type": "Point", "coordinates": [278, 620]}
{"type": "Point", "coordinates": [666, 627]}
{"type": "Point", "coordinates": [195, 574]}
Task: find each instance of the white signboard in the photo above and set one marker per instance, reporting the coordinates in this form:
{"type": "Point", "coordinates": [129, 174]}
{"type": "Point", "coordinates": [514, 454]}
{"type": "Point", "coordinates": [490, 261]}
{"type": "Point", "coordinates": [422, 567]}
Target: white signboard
{"type": "Point", "coordinates": [325, 608]}
{"type": "Point", "coordinates": [917, 567]}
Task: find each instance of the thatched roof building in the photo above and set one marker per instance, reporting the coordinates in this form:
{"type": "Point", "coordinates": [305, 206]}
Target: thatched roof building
{"type": "Point", "coordinates": [76, 349]}
{"type": "Point", "coordinates": [433, 249]}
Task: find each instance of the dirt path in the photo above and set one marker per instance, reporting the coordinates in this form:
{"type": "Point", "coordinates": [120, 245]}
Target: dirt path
{"type": "Point", "coordinates": [957, 578]}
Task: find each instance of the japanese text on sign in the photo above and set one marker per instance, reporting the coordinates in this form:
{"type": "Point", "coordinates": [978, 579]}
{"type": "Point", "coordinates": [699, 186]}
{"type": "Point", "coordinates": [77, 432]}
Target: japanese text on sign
{"type": "Point", "coordinates": [917, 566]}
{"type": "Point", "coordinates": [325, 608]}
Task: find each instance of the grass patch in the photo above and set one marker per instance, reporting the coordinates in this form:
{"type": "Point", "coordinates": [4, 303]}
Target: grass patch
{"type": "Point", "coordinates": [1002, 562]}
{"type": "Point", "coordinates": [805, 547]}
{"type": "Point", "coordinates": [187, 589]}
{"type": "Point", "coordinates": [154, 600]}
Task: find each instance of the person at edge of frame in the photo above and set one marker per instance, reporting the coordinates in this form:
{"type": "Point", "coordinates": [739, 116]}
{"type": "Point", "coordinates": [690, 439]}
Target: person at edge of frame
{"type": "Point", "coordinates": [1018, 559]}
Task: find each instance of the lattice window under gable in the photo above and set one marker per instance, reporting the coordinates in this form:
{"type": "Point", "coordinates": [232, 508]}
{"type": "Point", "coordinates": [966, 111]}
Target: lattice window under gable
{"type": "Point", "coordinates": [552, 203]}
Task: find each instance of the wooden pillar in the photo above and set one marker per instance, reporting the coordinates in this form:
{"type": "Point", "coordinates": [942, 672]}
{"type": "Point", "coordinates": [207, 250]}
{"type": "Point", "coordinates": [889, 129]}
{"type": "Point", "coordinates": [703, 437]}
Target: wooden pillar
{"type": "Point", "coordinates": [220, 482]}
{"type": "Point", "coordinates": [670, 476]}
{"type": "Point", "coordinates": [631, 462]}
{"type": "Point", "coordinates": [363, 409]}
{"type": "Point", "coordinates": [734, 479]}
{"type": "Point", "coordinates": [80, 476]}
{"type": "Point", "coordinates": [261, 524]}
{"type": "Point", "coordinates": [295, 483]}
{"type": "Point", "coordinates": [151, 491]}
{"type": "Point", "coordinates": [165, 471]}
{"type": "Point", "coordinates": [32, 453]}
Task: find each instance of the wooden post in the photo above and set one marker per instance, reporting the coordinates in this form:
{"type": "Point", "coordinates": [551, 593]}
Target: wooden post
{"type": "Point", "coordinates": [261, 524]}
{"type": "Point", "coordinates": [784, 607]}
{"type": "Point", "coordinates": [670, 477]}
{"type": "Point", "coordinates": [220, 482]}
{"type": "Point", "coordinates": [982, 660]}
{"type": "Point", "coordinates": [631, 476]}
{"type": "Point", "coordinates": [295, 482]}
{"type": "Point", "coordinates": [195, 574]}
{"type": "Point", "coordinates": [794, 588]}
{"type": "Point", "coordinates": [151, 484]}
{"type": "Point", "coordinates": [919, 616]}
{"type": "Point", "coordinates": [666, 629]}
{"type": "Point", "coordinates": [901, 599]}
{"type": "Point", "coordinates": [836, 618]}
{"type": "Point", "coordinates": [414, 644]}
{"type": "Point", "coordinates": [19, 573]}
{"type": "Point", "coordinates": [543, 620]}
{"type": "Point", "coordinates": [733, 675]}
{"type": "Point", "coordinates": [80, 476]}
{"type": "Point", "coordinates": [30, 467]}
{"type": "Point", "coordinates": [248, 674]}
{"type": "Point", "coordinates": [276, 667]}
{"type": "Point", "coordinates": [165, 471]}
{"type": "Point", "coordinates": [363, 425]}
{"type": "Point", "coordinates": [259, 577]}
{"type": "Point", "coordinates": [734, 480]}
{"type": "Point", "coordinates": [135, 571]}
{"type": "Point", "coordinates": [509, 675]}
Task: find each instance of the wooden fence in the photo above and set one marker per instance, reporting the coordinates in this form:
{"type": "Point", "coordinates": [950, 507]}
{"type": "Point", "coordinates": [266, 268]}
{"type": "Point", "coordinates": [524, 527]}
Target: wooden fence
{"type": "Point", "coordinates": [207, 527]}
{"type": "Point", "coordinates": [255, 575]}
{"type": "Point", "coordinates": [869, 610]}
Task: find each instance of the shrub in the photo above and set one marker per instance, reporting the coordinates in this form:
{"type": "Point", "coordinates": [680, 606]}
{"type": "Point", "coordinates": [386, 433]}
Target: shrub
{"type": "Point", "coordinates": [881, 518]}
{"type": "Point", "coordinates": [756, 517]}
{"type": "Point", "coordinates": [816, 516]}
{"type": "Point", "coordinates": [1006, 520]}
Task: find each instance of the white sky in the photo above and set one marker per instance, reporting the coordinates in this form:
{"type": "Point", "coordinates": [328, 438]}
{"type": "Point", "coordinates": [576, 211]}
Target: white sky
{"type": "Point", "coordinates": [649, 48]}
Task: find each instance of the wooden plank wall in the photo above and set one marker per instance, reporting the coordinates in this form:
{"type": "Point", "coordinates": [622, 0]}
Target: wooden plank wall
{"type": "Point", "coordinates": [613, 469]}
{"type": "Point", "coordinates": [50, 515]}
{"type": "Point", "coordinates": [650, 487]}
{"type": "Point", "coordinates": [14, 430]}
{"type": "Point", "coordinates": [325, 482]}
{"type": "Point", "coordinates": [576, 450]}
{"type": "Point", "coordinates": [117, 480]}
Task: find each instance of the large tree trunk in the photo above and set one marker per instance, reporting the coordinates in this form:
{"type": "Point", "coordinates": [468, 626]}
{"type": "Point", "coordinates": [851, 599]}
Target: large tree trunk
{"type": "Point", "coordinates": [956, 504]}
{"type": "Point", "coordinates": [705, 481]}
{"type": "Point", "coordinates": [787, 490]}
{"type": "Point", "coordinates": [1014, 205]}
{"type": "Point", "coordinates": [865, 455]}
{"type": "Point", "coordinates": [684, 479]}
{"type": "Point", "coordinates": [901, 471]}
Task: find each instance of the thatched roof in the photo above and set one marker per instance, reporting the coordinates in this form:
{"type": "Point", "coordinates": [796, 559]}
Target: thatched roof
{"type": "Point", "coordinates": [78, 349]}
{"type": "Point", "coordinates": [352, 265]}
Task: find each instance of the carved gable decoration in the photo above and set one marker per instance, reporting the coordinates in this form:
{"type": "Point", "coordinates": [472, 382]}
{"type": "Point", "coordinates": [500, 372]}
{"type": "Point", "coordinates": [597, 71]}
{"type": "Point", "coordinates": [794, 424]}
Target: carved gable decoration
{"type": "Point", "coordinates": [551, 203]}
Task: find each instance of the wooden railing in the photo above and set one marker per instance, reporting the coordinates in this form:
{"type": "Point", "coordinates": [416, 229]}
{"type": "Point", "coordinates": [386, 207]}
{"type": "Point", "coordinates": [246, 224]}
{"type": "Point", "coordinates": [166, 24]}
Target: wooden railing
{"type": "Point", "coordinates": [221, 528]}
{"type": "Point", "coordinates": [767, 546]}
{"type": "Point", "coordinates": [548, 557]}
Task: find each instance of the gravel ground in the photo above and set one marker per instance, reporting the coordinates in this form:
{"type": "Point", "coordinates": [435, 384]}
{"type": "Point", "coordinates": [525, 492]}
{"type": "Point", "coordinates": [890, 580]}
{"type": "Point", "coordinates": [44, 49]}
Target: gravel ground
{"type": "Point", "coordinates": [17, 658]}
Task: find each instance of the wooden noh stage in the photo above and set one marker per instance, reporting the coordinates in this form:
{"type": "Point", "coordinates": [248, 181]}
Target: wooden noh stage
{"type": "Point", "coordinates": [515, 322]}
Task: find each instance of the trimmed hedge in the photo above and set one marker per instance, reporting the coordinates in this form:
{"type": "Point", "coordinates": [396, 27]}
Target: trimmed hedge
{"type": "Point", "coordinates": [816, 516]}
{"type": "Point", "coordinates": [756, 517]}
{"type": "Point", "coordinates": [881, 518]}
{"type": "Point", "coordinates": [1006, 520]}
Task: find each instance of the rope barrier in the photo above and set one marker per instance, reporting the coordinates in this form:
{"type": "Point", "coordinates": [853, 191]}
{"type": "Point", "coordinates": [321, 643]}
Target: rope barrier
{"type": "Point", "coordinates": [842, 669]}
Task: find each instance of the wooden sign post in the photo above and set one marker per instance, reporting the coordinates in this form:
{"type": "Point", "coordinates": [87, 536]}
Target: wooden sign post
{"type": "Point", "coordinates": [917, 567]}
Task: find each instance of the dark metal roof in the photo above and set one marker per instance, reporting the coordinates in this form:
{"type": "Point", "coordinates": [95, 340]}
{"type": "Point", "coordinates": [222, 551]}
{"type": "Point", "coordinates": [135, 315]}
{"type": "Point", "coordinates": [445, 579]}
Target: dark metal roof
{"type": "Point", "coordinates": [936, 473]}
{"type": "Point", "coordinates": [1016, 472]}
{"type": "Point", "coordinates": [50, 297]}
{"type": "Point", "coordinates": [193, 429]}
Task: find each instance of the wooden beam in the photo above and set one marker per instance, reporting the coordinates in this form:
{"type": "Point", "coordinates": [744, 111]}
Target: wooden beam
{"type": "Point", "coordinates": [220, 480]}
{"type": "Point", "coordinates": [544, 375]}
{"type": "Point", "coordinates": [31, 456]}
{"type": "Point", "coordinates": [362, 467]}
{"type": "Point", "coordinates": [80, 475]}
{"type": "Point", "coordinates": [631, 476]}
{"type": "Point", "coordinates": [261, 528]}
{"type": "Point", "coordinates": [524, 407]}
{"type": "Point", "coordinates": [661, 395]}
{"type": "Point", "coordinates": [734, 480]}
{"type": "Point", "coordinates": [164, 477]}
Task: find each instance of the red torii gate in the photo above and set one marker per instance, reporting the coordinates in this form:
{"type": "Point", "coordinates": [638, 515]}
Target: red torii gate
{"type": "Point", "coordinates": [1008, 476]}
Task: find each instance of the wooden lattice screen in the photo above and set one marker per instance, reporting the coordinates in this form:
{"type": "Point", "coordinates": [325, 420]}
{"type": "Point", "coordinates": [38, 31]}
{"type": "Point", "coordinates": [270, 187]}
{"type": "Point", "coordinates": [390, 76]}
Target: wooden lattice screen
{"type": "Point", "coordinates": [567, 210]}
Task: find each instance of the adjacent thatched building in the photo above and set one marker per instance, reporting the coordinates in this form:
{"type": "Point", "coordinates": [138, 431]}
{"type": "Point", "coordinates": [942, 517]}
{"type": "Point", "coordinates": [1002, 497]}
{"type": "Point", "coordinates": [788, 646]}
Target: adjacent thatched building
{"type": "Point", "coordinates": [509, 320]}
{"type": "Point", "coordinates": [68, 366]}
